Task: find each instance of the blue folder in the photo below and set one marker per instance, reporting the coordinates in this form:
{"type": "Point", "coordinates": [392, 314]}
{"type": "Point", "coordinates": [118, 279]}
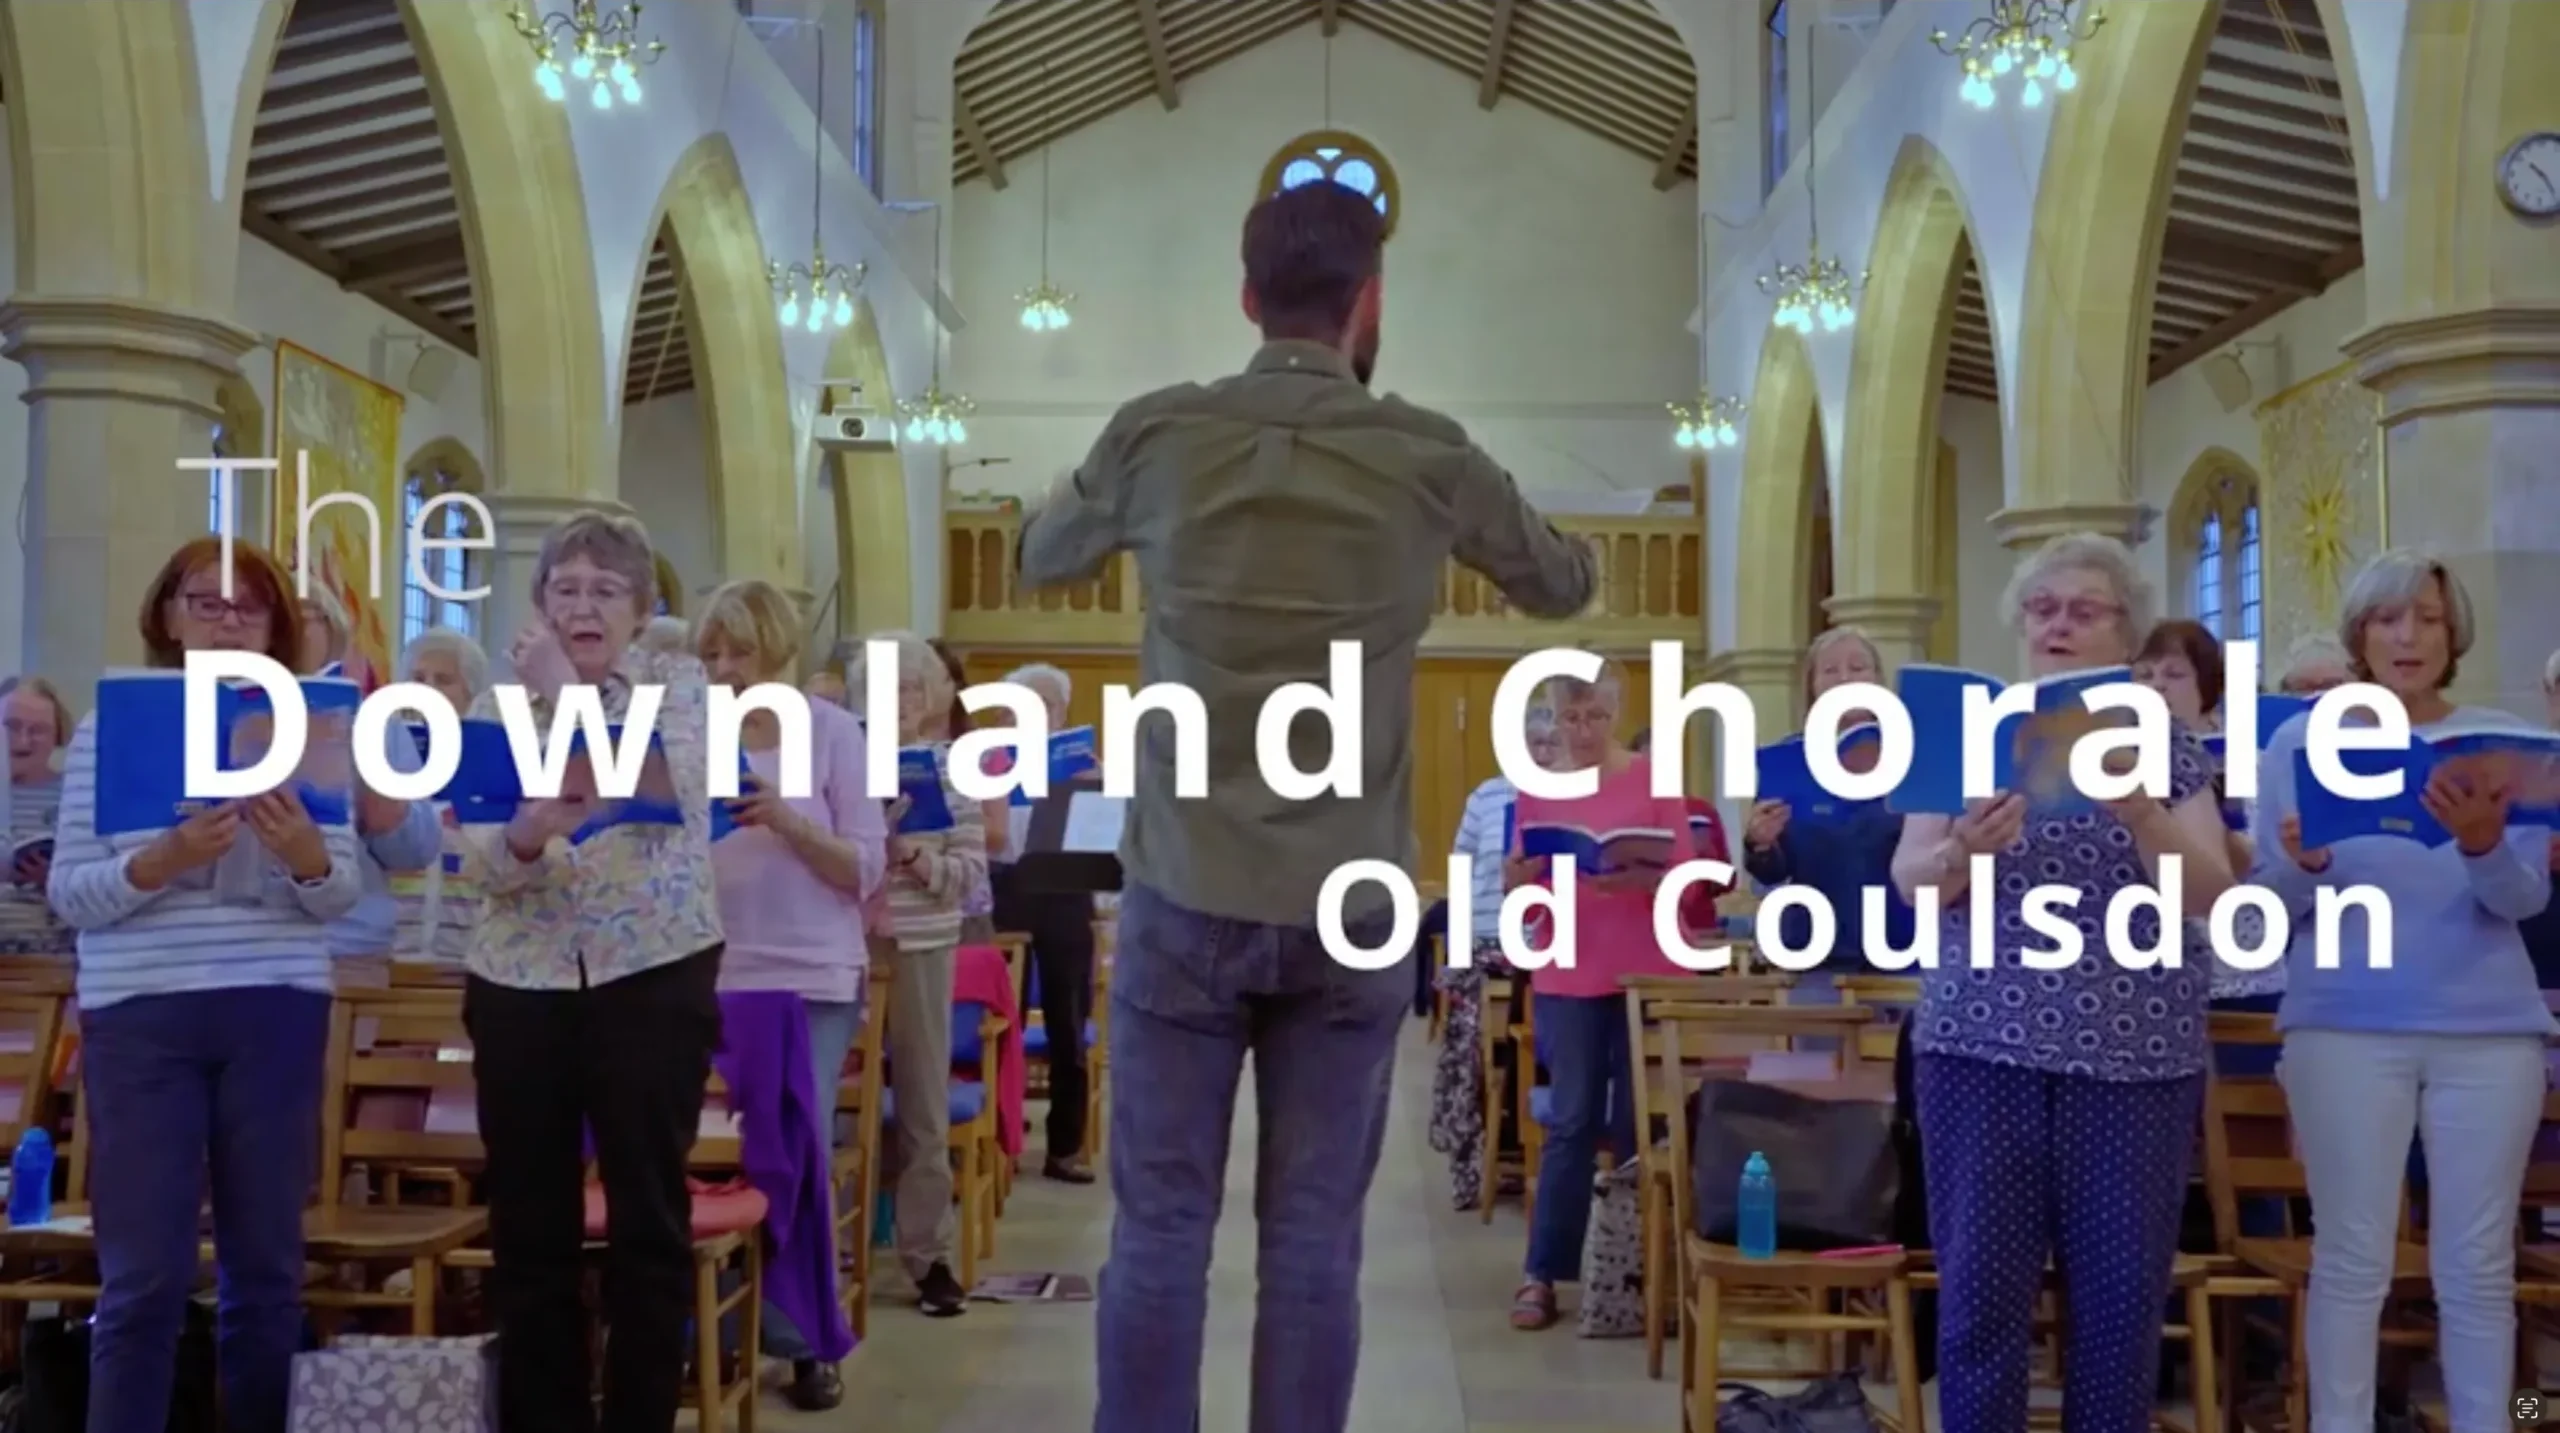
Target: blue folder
{"type": "Point", "coordinates": [2531, 761]}
{"type": "Point", "coordinates": [1786, 774]}
{"type": "Point", "coordinates": [141, 735]}
{"type": "Point", "coordinates": [1071, 755]}
{"type": "Point", "coordinates": [2031, 754]}
{"type": "Point", "coordinates": [920, 782]}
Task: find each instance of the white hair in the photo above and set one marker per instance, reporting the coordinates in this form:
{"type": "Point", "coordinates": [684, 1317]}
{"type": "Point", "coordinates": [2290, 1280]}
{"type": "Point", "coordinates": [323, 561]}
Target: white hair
{"type": "Point", "coordinates": [2084, 552]}
{"type": "Point", "coordinates": [2312, 649]}
{"type": "Point", "coordinates": [1041, 677]}
{"type": "Point", "coordinates": [2551, 673]}
{"type": "Point", "coordinates": [1832, 637]}
{"type": "Point", "coordinates": [917, 661]}
{"type": "Point", "coordinates": [666, 634]}
{"type": "Point", "coordinates": [465, 652]}
{"type": "Point", "coordinates": [2395, 579]}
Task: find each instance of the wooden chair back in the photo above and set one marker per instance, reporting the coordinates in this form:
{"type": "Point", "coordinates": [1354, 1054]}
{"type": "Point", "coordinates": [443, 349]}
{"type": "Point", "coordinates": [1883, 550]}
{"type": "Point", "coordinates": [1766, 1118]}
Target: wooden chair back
{"type": "Point", "coordinates": [397, 1043]}
{"type": "Point", "coordinates": [31, 1026]}
{"type": "Point", "coordinates": [1895, 996]}
{"type": "Point", "coordinates": [2248, 1134]}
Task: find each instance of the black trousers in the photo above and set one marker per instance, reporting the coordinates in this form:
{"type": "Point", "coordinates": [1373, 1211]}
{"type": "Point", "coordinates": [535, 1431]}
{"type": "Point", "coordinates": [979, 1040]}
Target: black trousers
{"type": "Point", "coordinates": [625, 1064]}
{"type": "Point", "coordinates": [1061, 931]}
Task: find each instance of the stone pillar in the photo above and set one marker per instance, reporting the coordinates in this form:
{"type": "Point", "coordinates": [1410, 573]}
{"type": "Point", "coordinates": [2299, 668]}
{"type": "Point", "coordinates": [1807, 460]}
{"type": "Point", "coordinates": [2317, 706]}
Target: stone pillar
{"type": "Point", "coordinates": [2471, 412]}
{"type": "Point", "coordinates": [1898, 624]}
{"type": "Point", "coordinates": [1773, 677]}
{"type": "Point", "coordinates": [119, 390]}
{"type": "Point", "coordinates": [522, 521]}
{"type": "Point", "coordinates": [874, 566]}
{"type": "Point", "coordinates": [2023, 530]}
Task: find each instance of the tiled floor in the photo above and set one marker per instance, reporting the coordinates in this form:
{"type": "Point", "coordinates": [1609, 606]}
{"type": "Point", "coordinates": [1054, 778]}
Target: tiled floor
{"type": "Point", "coordinates": [1438, 1353]}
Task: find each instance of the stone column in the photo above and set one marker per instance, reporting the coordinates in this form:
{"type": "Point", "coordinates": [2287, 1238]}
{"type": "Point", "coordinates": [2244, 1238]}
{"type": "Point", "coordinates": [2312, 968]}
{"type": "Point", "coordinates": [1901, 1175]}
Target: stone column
{"type": "Point", "coordinates": [1897, 623]}
{"type": "Point", "coordinates": [1773, 677]}
{"type": "Point", "coordinates": [522, 521]}
{"type": "Point", "coordinates": [2471, 411]}
{"type": "Point", "coordinates": [120, 390]}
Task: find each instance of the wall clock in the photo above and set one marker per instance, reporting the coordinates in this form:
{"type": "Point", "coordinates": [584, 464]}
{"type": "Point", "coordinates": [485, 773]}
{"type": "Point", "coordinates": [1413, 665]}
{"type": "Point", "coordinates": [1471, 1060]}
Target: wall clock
{"type": "Point", "coordinates": [2529, 176]}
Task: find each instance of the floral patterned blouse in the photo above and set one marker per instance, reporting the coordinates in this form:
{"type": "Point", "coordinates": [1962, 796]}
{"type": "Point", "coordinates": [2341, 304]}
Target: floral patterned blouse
{"type": "Point", "coordinates": [629, 899]}
{"type": "Point", "coordinates": [2097, 1019]}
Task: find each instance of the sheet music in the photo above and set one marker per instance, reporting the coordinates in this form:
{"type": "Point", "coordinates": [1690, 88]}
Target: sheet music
{"type": "Point", "coordinates": [1093, 822]}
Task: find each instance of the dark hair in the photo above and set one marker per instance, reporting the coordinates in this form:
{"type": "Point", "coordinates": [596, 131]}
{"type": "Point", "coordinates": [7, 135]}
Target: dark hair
{"type": "Point", "coordinates": [253, 574]}
{"type": "Point", "coordinates": [1307, 252]}
{"type": "Point", "coordinates": [2195, 642]}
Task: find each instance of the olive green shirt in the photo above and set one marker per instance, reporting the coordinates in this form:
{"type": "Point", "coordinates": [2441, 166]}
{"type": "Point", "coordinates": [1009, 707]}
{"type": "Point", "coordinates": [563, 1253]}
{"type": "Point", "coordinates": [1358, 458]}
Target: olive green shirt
{"type": "Point", "coordinates": [1270, 515]}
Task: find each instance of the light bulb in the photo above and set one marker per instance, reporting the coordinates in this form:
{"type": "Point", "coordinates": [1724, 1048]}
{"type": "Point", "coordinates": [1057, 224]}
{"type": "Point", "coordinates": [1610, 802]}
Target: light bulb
{"type": "Point", "coordinates": [915, 430]}
{"type": "Point", "coordinates": [621, 72]}
{"type": "Point", "coordinates": [936, 430]}
{"type": "Point", "coordinates": [1064, 318]}
{"type": "Point", "coordinates": [1687, 437]}
{"type": "Point", "coordinates": [817, 317]}
{"type": "Point", "coordinates": [630, 91]}
{"type": "Point", "coordinates": [2001, 63]}
{"type": "Point", "coordinates": [584, 66]}
{"type": "Point", "coordinates": [546, 77]}
{"type": "Point", "coordinates": [844, 309]}
{"type": "Point", "coordinates": [1030, 317]}
{"type": "Point", "coordinates": [601, 98]}
{"type": "Point", "coordinates": [2032, 95]}
{"type": "Point", "coordinates": [2065, 78]}
{"type": "Point", "coordinates": [1724, 435]}
{"type": "Point", "coordinates": [958, 434]}
{"type": "Point", "coordinates": [790, 308]}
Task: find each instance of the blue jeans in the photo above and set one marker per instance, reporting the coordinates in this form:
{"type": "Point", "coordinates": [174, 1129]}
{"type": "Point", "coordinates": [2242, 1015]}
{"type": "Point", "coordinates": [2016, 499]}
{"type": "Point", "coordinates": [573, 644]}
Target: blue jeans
{"type": "Point", "coordinates": [833, 1025]}
{"type": "Point", "coordinates": [229, 1078]}
{"type": "Point", "coordinates": [1583, 1040]}
{"type": "Point", "coordinates": [1191, 996]}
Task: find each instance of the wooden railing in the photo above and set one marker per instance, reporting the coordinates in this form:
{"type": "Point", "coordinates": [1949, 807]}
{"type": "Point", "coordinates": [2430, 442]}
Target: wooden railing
{"type": "Point", "coordinates": [1650, 570]}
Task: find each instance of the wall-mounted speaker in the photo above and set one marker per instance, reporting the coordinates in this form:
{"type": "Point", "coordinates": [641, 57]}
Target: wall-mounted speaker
{"type": "Point", "coordinates": [432, 372]}
{"type": "Point", "coordinates": [2228, 377]}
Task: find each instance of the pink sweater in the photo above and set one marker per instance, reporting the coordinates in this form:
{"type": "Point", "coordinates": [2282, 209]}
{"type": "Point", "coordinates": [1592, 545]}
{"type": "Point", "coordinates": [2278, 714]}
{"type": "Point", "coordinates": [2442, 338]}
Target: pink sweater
{"type": "Point", "coordinates": [1613, 929]}
{"type": "Point", "coordinates": [787, 929]}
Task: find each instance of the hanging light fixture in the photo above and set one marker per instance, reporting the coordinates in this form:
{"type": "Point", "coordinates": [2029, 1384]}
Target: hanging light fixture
{"type": "Point", "coordinates": [1045, 306]}
{"type": "Point", "coordinates": [1819, 291]}
{"type": "Point", "coordinates": [1713, 422]}
{"type": "Point", "coordinates": [2029, 41]}
{"type": "Point", "coordinates": [588, 45]}
{"type": "Point", "coordinates": [934, 417]}
{"type": "Point", "coordinates": [818, 295]}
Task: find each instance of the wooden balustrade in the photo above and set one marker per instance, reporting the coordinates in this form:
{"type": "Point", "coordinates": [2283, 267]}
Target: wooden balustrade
{"type": "Point", "coordinates": [1650, 570]}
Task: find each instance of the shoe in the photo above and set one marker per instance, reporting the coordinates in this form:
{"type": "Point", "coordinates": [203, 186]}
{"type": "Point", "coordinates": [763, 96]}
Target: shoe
{"type": "Point", "coordinates": [815, 1387]}
{"type": "Point", "coordinates": [939, 1295]}
{"type": "Point", "coordinates": [1534, 1307]}
{"type": "Point", "coordinates": [1069, 1170]}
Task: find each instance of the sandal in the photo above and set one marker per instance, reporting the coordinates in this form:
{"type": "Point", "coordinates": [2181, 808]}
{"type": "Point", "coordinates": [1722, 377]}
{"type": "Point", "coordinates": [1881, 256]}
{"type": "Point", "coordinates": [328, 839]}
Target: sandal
{"type": "Point", "coordinates": [1534, 1307]}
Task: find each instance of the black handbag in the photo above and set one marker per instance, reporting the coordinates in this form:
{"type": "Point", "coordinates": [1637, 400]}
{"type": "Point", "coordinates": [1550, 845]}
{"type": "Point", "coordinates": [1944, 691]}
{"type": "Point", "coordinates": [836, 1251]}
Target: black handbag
{"type": "Point", "coordinates": [1833, 1405]}
{"type": "Point", "coordinates": [1837, 1168]}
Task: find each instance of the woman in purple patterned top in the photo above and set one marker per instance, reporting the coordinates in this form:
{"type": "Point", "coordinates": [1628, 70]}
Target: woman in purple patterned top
{"type": "Point", "coordinates": [2058, 1107]}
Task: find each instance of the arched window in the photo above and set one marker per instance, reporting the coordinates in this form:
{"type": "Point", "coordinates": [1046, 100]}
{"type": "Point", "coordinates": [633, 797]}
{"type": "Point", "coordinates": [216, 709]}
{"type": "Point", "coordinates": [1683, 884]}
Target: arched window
{"type": "Point", "coordinates": [439, 468]}
{"type": "Point", "coordinates": [1346, 159]}
{"type": "Point", "coordinates": [240, 432]}
{"type": "Point", "coordinates": [2216, 547]}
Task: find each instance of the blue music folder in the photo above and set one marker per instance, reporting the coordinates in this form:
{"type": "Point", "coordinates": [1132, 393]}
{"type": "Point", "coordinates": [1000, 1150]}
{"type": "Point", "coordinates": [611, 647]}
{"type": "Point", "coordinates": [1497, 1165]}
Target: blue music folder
{"type": "Point", "coordinates": [2031, 754]}
{"type": "Point", "coordinates": [1072, 754]}
{"type": "Point", "coordinates": [142, 761]}
{"type": "Point", "coordinates": [1630, 849]}
{"type": "Point", "coordinates": [1786, 774]}
{"type": "Point", "coordinates": [2527, 762]}
{"type": "Point", "coordinates": [920, 782]}
{"type": "Point", "coordinates": [486, 788]}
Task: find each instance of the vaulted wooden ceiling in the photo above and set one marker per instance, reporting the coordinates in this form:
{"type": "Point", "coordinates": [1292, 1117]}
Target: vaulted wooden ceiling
{"type": "Point", "coordinates": [348, 173]}
{"type": "Point", "coordinates": [2262, 210]}
{"type": "Point", "coordinates": [1612, 67]}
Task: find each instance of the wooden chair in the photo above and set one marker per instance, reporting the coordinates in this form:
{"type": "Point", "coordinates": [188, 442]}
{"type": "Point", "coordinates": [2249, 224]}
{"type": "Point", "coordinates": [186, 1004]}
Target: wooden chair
{"type": "Point", "coordinates": [1097, 1060]}
{"type": "Point", "coordinates": [1821, 1293]}
{"type": "Point", "coordinates": [855, 1167]}
{"type": "Point", "coordinates": [1497, 998]}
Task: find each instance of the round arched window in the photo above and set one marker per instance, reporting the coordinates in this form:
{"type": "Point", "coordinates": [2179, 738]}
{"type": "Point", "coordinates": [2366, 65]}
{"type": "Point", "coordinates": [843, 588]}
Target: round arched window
{"type": "Point", "coordinates": [1346, 159]}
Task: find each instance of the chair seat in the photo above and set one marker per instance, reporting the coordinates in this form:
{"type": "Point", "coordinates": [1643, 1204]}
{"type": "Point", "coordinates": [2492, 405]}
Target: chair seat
{"type": "Point", "coordinates": [968, 1101]}
{"type": "Point", "coordinates": [725, 1209]}
{"type": "Point", "coordinates": [1793, 1270]}
{"type": "Point", "coordinates": [1035, 1038]}
{"type": "Point", "coordinates": [2289, 1260]}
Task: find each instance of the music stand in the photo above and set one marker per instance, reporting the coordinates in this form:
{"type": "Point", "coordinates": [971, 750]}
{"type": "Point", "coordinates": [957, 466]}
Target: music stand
{"type": "Point", "coordinates": [1071, 843]}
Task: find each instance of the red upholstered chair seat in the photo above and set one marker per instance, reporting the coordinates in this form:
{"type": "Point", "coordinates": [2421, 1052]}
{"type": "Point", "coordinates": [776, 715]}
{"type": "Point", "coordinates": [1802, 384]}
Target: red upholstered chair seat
{"type": "Point", "coordinates": [732, 1208]}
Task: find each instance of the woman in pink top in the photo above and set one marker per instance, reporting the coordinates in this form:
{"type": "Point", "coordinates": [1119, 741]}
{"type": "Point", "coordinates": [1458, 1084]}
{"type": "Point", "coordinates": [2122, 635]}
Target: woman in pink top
{"type": "Point", "coordinates": [793, 879]}
{"type": "Point", "coordinates": [1581, 1012]}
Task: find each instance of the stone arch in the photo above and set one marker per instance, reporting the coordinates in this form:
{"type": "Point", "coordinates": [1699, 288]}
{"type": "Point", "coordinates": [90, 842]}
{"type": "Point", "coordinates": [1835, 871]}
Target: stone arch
{"type": "Point", "coordinates": [243, 420]}
{"type": "Point", "coordinates": [2474, 77]}
{"type": "Point", "coordinates": [874, 575]}
{"type": "Point", "coordinates": [2102, 205]}
{"type": "Point", "coordinates": [1782, 462]}
{"type": "Point", "coordinates": [1890, 466]}
{"type": "Point", "coordinates": [524, 230]}
{"type": "Point", "coordinates": [736, 343]}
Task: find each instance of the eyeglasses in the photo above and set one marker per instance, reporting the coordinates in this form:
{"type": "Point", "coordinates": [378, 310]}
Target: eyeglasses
{"type": "Point", "coordinates": [14, 728]}
{"type": "Point", "coordinates": [213, 607]}
{"type": "Point", "coordinates": [2083, 611]}
{"type": "Point", "coordinates": [601, 593]}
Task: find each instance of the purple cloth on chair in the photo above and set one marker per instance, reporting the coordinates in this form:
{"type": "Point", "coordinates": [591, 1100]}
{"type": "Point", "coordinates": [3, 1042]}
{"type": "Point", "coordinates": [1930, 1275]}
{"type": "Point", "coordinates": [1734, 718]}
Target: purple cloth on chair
{"type": "Point", "coordinates": [764, 1056]}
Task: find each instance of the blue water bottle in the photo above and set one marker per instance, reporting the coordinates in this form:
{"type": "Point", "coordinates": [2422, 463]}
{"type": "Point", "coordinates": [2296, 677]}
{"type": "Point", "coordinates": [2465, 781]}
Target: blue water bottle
{"type": "Point", "coordinates": [31, 1179]}
{"type": "Point", "coordinates": [1756, 1209]}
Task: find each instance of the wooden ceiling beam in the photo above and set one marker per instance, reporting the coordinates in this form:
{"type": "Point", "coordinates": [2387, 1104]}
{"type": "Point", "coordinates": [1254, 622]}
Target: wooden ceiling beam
{"type": "Point", "coordinates": [2240, 322]}
{"type": "Point", "coordinates": [1159, 58]}
{"type": "Point", "coordinates": [1675, 146]}
{"type": "Point", "coordinates": [2192, 245]}
{"type": "Point", "coordinates": [1329, 16]}
{"type": "Point", "coordinates": [398, 263]}
{"type": "Point", "coordinates": [1497, 53]}
{"type": "Point", "coordinates": [399, 69]}
{"type": "Point", "coordinates": [974, 135]}
{"type": "Point", "coordinates": [263, 226]}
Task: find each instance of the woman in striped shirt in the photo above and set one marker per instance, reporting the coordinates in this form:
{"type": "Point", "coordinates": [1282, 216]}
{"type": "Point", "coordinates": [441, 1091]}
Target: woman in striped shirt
{"type": "Point", "coordinates": [931, 874]}
{"type": "Point", "coordinates": [204, 1013]}
{"type": "Point", "coordinates": [37, 724]}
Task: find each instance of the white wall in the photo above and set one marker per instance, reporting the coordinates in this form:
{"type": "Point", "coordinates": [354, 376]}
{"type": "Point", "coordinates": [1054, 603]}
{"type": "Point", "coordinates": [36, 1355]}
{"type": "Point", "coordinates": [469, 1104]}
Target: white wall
{"type": "Point", "coordinates": [278, 297]}
{"type": "Point", "coordinates": [2181, 418]}
{"type": "Point", "coordinates": [666, 482]}
{"type": "Point", "coordinates": [1536, 281]}
{"type": "Point", "coordinates": [1983, 641]}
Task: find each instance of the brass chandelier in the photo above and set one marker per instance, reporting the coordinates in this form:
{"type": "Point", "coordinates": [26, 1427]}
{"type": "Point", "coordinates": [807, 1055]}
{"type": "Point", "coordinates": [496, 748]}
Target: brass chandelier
{"type": "Point", "coordinates": [603, 50]}
{"type": "Point", "coordinates": [816, 295]}
{"type": "Point", "coordinates": [2029, 42]}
